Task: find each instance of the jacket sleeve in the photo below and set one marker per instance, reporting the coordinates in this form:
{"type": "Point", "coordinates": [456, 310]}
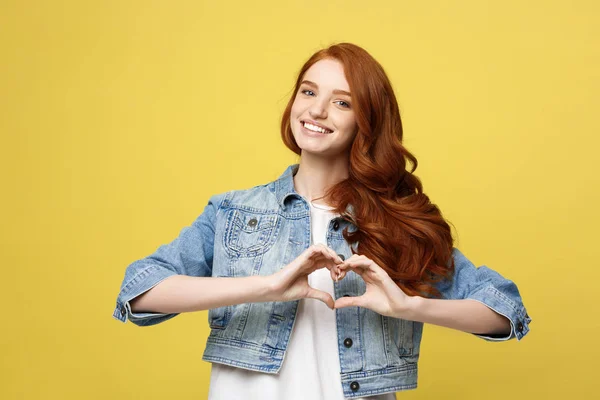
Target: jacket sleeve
{"type": "Point", "coordinates": [191, 253]}
{"type": "Point", "coordinates": [491, 289]}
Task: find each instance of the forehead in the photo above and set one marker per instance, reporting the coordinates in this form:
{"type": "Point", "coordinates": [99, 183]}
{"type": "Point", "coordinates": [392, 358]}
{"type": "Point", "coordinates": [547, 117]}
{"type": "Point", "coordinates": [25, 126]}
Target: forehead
{"type": "Point", "coordinates": [328, 74]}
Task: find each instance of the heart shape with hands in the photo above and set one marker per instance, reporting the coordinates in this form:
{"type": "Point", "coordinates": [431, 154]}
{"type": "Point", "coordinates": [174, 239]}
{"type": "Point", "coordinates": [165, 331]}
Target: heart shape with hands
{"type": "Point", "coordinates": [382, 294]}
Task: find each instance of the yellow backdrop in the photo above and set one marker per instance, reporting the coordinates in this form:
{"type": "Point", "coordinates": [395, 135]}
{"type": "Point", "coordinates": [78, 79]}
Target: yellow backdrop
{"type": "Point", "coordinates": [120, 118]}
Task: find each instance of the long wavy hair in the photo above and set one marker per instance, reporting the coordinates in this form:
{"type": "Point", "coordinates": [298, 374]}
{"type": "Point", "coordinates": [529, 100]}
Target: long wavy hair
{"type": "Point", "coordinates": [397, 225]}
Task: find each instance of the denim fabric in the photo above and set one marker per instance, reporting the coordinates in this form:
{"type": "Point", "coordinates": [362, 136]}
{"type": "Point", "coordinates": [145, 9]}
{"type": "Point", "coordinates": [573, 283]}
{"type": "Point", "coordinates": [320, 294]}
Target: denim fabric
{"type": "Point", "coordinates": [259, 230]}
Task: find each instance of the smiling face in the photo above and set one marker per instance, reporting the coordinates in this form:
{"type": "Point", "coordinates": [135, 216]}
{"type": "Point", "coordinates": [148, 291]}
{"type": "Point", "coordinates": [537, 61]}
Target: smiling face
{"type": "Point", "coordinates": [322, 118]}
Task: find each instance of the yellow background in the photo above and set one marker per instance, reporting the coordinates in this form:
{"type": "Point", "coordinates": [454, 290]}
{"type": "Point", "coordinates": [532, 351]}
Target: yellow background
{"type": "Point", "coordinates": [120, 118]}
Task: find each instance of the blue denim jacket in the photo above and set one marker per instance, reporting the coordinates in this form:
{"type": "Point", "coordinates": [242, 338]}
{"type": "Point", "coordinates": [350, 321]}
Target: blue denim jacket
{"type": "Point", "coordinates": [258, 231]}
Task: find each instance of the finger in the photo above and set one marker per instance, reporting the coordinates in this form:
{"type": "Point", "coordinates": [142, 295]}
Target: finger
{"type": "Point", "coordinates": [334, 255]}
{"type": "Point", "coordinates": [333, 272]}
{"type": "Point", "coordinates": [367, 269]}
{"type": "Point", "coordinates": [323, 263]}
{"type": "Point", "coordinates": [314, 256]}
{"type": "Point", "coordinates": [353, 257]}
{"type": "Point", "coordinates": [359, 262]}
{"type": "Point", "coordinates": [355, 265]}
{"type": "Point", "coordinates": [319, 254]}
{"type": "Point", "coordinates": [327, 256]}
{"type": "Point", "coordinates": [359, 269]}
{"type": "Point", "coordinates": [330, 253]}
{"type": "Point", "coordinates": [349, 302]}
{"type": "Point", "coordinates": [320, 295]}
{"type": "Point", "coordinates": [313, 252]}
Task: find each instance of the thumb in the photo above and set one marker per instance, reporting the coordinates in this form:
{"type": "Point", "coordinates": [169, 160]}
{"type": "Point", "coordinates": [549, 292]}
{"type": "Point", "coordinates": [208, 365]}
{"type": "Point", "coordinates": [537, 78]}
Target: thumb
{"type": "Point", "coordinates": [348, 302]}
{"type": "Point", "coordinates": [320, 295]}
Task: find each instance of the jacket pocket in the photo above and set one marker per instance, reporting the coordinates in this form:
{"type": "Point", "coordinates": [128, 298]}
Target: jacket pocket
{"type": "Point", "coordinates": [249, 234]}
{"type": "Point", "coordinates": [219, 317]}
{"type": "Point", "coordinates": [398, 339]}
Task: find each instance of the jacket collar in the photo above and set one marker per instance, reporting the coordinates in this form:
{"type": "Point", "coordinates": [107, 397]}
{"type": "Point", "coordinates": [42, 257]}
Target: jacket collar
{"type": "Point", "coordinates": [284, 187]}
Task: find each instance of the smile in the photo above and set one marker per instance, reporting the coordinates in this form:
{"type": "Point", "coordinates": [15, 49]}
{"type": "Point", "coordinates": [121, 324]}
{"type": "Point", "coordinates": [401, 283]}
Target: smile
{"type": "Point", "coordinates": [315, 128]}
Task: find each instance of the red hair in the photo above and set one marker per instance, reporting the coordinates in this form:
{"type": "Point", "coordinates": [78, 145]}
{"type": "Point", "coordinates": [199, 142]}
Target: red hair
{"type": "Point", "coordinates": [397, 225]}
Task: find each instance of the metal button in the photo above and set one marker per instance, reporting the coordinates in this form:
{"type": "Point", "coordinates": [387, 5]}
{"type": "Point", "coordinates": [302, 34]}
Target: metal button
{"type": "Point", "coordinates": [336, 225]}
{"type": "Point", "coordinates": [341, 256]}
{"type": "Point", "coordinates": [252, 222]}
{"type": "Point", "coordinates": [354, 386]}
{"type": "Point", "coordinates": [520, 327]}
{"type": "Point", "coordinates": [348, 342]}
{"type": "Point", "coordinates": [123, 311]}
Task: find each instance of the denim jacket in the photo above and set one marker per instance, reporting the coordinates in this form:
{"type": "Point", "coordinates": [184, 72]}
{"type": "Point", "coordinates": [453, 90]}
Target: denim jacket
{"type": "Point", "coordinates": [259, 230]}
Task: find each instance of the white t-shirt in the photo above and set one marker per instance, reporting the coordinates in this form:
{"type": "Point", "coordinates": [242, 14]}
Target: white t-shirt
{"type": "Point", "coordinates": [311, 367]}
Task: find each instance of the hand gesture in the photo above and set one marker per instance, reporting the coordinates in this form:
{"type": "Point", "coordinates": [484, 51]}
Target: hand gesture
{"type": "Point", "coordinates": [382, 295]}
{"type": "Point", "coordinates": [291, 282]}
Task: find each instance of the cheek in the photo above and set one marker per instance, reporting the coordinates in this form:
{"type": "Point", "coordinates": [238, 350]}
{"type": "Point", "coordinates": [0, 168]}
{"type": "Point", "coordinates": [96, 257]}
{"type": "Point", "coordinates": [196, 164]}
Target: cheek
{"type": "Point", "coordinates": [349, 125]}
{"type": "Point", "coordinates": [296, 107]}
{"type": "Point", "coordinates": [295, 113]}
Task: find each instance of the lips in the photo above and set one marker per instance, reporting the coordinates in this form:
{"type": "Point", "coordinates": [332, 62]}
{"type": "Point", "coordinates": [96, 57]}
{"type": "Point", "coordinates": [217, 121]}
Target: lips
{"type": "Point", "coordinates": [308, 121]}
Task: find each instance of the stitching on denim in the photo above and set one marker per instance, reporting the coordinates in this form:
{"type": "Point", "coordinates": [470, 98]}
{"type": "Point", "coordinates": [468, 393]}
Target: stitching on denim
{"type": "Point", "coordinates": [408, 368]}
{"type": "Point", "coordinates": [362, 393]}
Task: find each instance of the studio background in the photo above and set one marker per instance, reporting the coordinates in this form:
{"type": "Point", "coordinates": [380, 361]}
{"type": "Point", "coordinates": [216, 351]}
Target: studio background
{"type": "Point", "coordinates": [121, 118]}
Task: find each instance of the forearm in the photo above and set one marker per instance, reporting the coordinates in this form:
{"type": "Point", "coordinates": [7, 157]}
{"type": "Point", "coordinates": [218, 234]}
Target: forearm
{"type": "Point", "coordinates": [465, 315]}
{"type": "Point", "coordinates": [181, 293]}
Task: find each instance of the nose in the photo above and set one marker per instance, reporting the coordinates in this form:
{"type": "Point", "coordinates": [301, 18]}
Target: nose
{"type": "Point", "coordinates": [318, 110]}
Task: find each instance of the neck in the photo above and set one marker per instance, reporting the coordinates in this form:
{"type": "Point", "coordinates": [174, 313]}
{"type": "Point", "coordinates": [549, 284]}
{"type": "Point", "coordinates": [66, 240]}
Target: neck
{"type": "Point", "coordinates": [316, 175]}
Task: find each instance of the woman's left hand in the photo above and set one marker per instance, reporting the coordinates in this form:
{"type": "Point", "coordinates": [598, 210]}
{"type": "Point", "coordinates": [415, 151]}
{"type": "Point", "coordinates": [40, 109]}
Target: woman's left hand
{"type": "Point", "coordinates": [382, 295]}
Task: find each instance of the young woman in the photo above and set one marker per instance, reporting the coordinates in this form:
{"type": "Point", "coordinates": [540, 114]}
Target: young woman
{"type": "Point", "coordinates": [349, 226]}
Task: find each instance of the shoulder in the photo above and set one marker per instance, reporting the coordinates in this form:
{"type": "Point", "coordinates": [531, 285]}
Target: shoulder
{"type": "Point", "coordinates": [259, 197]}
{"type": "Point", "coordinates": [459, 257]}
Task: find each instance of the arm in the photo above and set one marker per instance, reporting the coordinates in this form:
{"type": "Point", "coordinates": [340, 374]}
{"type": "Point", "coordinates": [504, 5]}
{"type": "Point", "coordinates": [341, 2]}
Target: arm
{"type": "Point", "coordinates": [178, 277]}
{"type": "Point", "coordinates": [190, 255]}
{"type": "Point", "coordinates": [180, 293]}
{"type": "Point", "coordinates": [476, 300]}
{"type": "Point", "coordinates": [465, 315]}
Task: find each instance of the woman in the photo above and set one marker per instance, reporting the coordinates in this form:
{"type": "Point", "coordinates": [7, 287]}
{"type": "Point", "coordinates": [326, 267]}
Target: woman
{"type": "Point", "coordinates": [348, 226]}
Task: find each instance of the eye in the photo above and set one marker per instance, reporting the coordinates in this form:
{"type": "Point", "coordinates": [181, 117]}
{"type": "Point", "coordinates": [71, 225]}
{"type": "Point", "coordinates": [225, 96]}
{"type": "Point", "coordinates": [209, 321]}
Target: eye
{"type": "Point", "coordinates": [343, 104]}
{"type": "Point", "coordinates": [308, 94]}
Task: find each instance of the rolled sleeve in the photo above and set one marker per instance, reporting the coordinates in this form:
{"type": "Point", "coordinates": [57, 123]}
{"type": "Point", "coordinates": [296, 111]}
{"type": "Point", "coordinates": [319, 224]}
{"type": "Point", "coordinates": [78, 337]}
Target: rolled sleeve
{"type": "Point", "coordinates": [488, 287]}
{"type": "Point", "coordinates": [191, 253]}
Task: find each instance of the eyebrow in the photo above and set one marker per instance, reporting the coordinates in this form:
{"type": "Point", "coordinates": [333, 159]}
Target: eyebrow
{"type": "Point", "coordinates": [336, 91]}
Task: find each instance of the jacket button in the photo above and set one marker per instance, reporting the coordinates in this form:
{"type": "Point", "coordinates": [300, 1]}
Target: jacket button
{"type": "Point", "coordinates": [341, 256]}
{"type": "Point", "coordinates": [348, 342]}
{"type": "Point", "coordinates": [520, 327]}
{"type": "Point", "coordinates": [252, 222]}
{"type": "Point", "coordinates": [123, 310]}
{"type": "Point", "coordinates": [336, 225]}
{"type": "Point", "coordinates": [354, 386]}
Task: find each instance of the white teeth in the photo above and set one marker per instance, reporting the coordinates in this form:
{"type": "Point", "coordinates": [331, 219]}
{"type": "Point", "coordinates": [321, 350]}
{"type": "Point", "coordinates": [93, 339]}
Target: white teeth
{"type": "Point", "coordinates": [314, 128]}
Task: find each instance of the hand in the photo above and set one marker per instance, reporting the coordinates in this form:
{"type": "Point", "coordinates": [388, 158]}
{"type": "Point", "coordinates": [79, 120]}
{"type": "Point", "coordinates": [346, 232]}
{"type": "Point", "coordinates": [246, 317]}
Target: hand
{"type": "Point", "coordinates": [382, 295]}
{"type": "Point", "coordinates": [291, 282]}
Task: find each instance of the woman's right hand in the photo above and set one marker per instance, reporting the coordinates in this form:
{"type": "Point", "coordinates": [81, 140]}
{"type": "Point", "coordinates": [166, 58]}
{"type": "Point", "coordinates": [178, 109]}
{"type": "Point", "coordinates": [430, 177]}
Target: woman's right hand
{"type": "Point", "coordinates": [291, 282]}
